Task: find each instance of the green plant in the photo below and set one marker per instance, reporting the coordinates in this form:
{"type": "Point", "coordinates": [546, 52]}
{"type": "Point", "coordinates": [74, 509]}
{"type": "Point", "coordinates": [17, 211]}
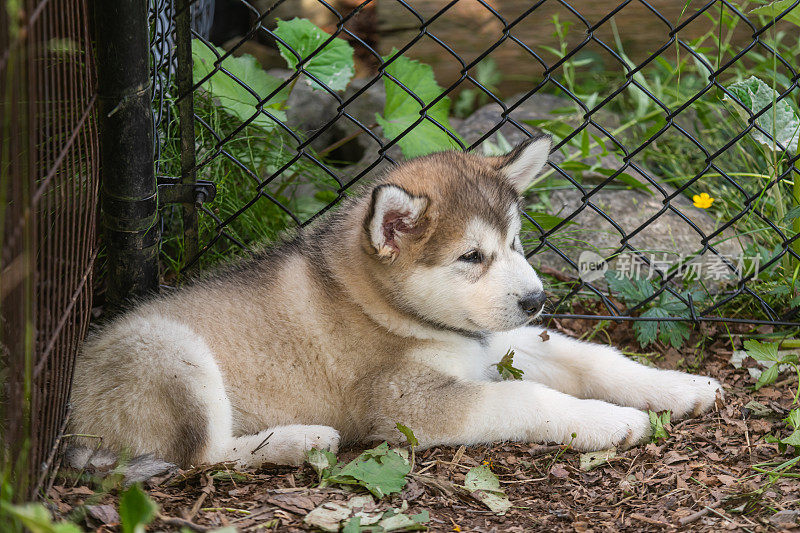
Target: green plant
{"type": "Point", "coordinates": [380, 470]}
{"type": "Point", "coordinates": [635, 291]}
{"type": "Point", "coordinates": [402, 110]}
{"type": "Point", "coordinates": [659, 424]}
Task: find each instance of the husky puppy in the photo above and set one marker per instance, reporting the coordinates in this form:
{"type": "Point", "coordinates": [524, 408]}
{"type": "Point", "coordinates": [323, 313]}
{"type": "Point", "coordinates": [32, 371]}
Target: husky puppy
{"type": "Point", "coordinates": [395, 309]}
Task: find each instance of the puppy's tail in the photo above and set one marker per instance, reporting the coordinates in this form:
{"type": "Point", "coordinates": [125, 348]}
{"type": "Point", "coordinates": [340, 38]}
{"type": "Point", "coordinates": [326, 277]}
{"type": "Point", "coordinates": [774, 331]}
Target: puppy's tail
{"type": "Point", "coordinates": [104, 462]}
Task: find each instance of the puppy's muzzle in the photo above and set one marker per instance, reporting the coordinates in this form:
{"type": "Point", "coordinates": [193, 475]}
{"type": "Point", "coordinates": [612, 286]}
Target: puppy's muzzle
{"type": "Point", "coordinates": [533, 302]}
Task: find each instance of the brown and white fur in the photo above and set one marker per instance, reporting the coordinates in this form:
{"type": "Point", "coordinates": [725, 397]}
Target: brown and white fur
{"type": "Point", "coordinates": [395, 309]}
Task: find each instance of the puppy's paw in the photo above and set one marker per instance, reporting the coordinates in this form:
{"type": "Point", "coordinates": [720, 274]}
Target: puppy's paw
{"type": "Point", "coordinates": [608, 425]}
{"type": "Point", "coordinates": [292, 442]}
{"type": "Point", "coordinates": [686, 394]}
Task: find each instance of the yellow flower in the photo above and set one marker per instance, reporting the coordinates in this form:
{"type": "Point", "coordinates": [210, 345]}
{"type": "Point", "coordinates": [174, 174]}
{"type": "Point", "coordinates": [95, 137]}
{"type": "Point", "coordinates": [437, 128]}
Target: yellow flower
{"type": "Point", "coordinates": [456, 528]}
{"type": "Point", "coordinates": [702, 200]}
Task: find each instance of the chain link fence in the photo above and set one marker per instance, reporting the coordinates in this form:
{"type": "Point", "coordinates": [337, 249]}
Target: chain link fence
{"type": "Point", "coordinates": [671, 194]}
{"type": "Point", "coordinates": [49, 187]}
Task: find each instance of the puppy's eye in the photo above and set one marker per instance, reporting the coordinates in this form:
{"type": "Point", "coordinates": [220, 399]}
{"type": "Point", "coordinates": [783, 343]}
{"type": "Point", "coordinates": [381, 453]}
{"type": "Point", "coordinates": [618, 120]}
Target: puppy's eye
{"type": "Point", "coordinates": [473, 256]}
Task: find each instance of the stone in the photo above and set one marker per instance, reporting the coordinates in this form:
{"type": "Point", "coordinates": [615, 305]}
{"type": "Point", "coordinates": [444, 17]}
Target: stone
{"type": "Point", "coordinates": [785, 518]}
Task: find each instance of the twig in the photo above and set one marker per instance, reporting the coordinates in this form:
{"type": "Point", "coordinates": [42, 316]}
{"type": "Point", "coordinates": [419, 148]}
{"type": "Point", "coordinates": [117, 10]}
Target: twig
{"type": "Point", "coordinates": [544, 450]}
{"type": "Point", "coordinates": [181, 522]}
{"type": "Point", "coordinates": [651, 521]}
{"type": "Point", "coordinates": [227, 509]}
{"type": "Point", "coordinates": [209, 488]}
{"type": "Point", "coordinates": [737, 524]}
{"type": "Point", "coordinates": [263, 443]}
{"type": "Point", "coordinates": [686, 520]}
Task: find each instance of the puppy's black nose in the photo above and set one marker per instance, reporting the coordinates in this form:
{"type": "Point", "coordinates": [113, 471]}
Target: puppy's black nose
{"type": "Point", "coordinates": [532, 302]}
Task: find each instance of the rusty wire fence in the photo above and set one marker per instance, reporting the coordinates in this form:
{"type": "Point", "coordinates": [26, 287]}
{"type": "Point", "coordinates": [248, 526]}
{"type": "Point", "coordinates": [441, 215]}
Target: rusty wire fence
{"type": "Point", "coordinates": [49, 169]}
{"type": "Point", "coordinates": [255, 116]}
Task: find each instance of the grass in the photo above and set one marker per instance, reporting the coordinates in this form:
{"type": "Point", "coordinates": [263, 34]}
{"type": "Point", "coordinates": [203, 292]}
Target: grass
{"type": "Point", "coordinates": [241, 173]}
{"type": "Point", "coordinates": [675, 78]}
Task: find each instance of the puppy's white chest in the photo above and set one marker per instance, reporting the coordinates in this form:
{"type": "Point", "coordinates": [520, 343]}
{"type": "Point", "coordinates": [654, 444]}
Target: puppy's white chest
{"type": "Point", "coordinates": [465, 359]}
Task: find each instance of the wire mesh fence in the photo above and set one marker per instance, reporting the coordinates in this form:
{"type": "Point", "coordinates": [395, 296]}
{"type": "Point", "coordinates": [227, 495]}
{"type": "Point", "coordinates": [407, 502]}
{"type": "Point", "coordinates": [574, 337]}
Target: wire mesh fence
{"type": "Point", "coordinates": [672, 191]}
{"type": "Point", "coordinates": [48, 162]}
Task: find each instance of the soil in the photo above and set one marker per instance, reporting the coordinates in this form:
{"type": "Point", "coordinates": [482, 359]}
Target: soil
{"type": "Point", "coordinates": [700, 478]}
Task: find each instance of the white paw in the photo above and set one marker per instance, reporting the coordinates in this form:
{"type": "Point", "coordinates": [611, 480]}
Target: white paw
{"type": "Point", "coordinates": [685, 394]}
{"type": "Point", "coordinates": [604, 425]}
{"type": "Point", "coordinates": [290, 443]}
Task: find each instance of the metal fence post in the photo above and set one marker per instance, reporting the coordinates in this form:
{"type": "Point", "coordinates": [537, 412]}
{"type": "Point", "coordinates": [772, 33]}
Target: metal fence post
{"type": "Point", "coordinates": [128, 190]}
{"type": "Point", "coordinates": [183, 38]}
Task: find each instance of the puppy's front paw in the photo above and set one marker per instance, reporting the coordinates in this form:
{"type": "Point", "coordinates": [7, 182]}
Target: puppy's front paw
{"type": "Point", "coordinates": [609, 425]}
{"type": "Point", "coordinates": [686, 394]}
{"type": "Point", "coordinates": [292, 442]}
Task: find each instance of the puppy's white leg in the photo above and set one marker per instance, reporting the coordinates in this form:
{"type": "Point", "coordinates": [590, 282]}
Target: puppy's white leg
{"type": "Point", "coordinates": [443, 410]}
{"type": "Point", "coordinates": [595, 371]}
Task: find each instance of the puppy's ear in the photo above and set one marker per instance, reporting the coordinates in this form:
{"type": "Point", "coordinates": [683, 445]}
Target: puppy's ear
{"type": "Point", "coordinates": [394, 214]}
{"type": "Point", "coordinates": [524, 162]}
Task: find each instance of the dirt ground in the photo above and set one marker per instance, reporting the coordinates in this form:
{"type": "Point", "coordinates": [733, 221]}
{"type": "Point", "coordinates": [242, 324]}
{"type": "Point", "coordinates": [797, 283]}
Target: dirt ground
{"type": "Point", "coordinates": [701, 478]}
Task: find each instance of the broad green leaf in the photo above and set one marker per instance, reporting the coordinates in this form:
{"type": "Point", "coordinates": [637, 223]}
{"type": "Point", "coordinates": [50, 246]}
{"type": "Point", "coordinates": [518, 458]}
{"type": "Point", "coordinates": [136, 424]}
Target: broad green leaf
{"type": "Point", "coordinates": [380, 470]}
{"type": "Point", "coordinates": [673, 332]}
{"type": "Point", "coordinates": [229, 94]}
{"type": "Point", "coordinates": [762, 352]}
{"type": "Point", "coordinates": [408, 434]}
{"type": "Point", "coordinates": [506, 367]}
{"type": "Point", "coordinates": [647, 330]}
{"type": "Point", "coordinates": [36, 518]}
{"type": "Point", "coordinates": [780, 121]}
{"type": "Point", "coordinates": [322, 461]}
{"type": "Point", "coordinates": [333, 65]}
{"type": "Point", "coordinates": [768, 376]}
{"type": "Point", "coordinates": [632, 291]}
{"type": "Point", "coordinates": [136, 510]}
{"type": "Point", "coordinates": [774, 9]}
{"type": "Point", "coordinates": [591, 460]}
{"type": "Point", "coordinates": [402, 110]}
{"type": "Point", "coordinates": [658, 423]}
{"type": "Point", "coordinates": [793, 420]}
{"type": "Point", "coordinates": [485, 487]}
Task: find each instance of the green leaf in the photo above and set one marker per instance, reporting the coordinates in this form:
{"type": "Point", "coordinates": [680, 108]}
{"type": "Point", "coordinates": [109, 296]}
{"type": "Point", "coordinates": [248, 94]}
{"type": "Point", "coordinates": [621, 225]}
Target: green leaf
{"type": "Point", "coordinates": [36, 518]}
{"type": "Point", "coordinates": [792, 214]}
{"type": "Point", "coordinates": [768, 376]}
{"type": "Point", "coordinates": [585, 143]}
{"type": "Point", "coordinates": [402, 110]}
{"type": "Point", "coordinates": [762, 352]}
{"type": "Point", "coordinates": [632, 291]}
{"type": "Point", "coordinates": [506, 367]}
{"type": "Point", "coordinates": [647, 331]}
{"type": "Point", "coordinates": [627, 179]}
{"type": "Point", "coordinates": [485, 487]}
{"type": "Point", "coordinates": [556, 127]}
{"type": "Point", "coordinates": [136, 510]}
{"type": "Point", "coordinates": [658, 423]}
{"type": "Point", "coordinates": [780, 122]}
{"type": "Point", "coordinates": [673, 332]}
{"type": "Point", "coordinates": [545, 221]}
{"type": "Point", "coordinates": [774, 9]}
{"type": "Point", "coordinates": [794, 418]}
{"type": "Point", "coordinates": [333, 65]}
{"type": "Point", "coordinates": [229, 94]}
{"type": "Point", "coordinates": [380, 470]}
{"type": "Point", "coordinates": [322, 461]}
{"type": "Point", "coordinates": [408, 433]}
